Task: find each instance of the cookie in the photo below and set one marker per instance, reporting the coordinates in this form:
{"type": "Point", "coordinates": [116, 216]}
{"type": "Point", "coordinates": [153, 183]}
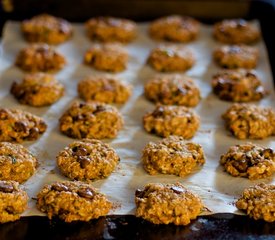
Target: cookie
{"type": "Point", "coordinates": [47, 29]}
{"type": "Point", "coordinates": [72, 201]}
{"type": "Point", "coordinates": [39, 58]}
{"type": "Point", "coordinates": [13, 201]}
{"type": "Point", "coordinates": [107, 57]}
{"type": "Point", "coordinates": [171, 58]}
{"type": "Point", "coordinates": [249, 160]}
{"type": "Point", "coordinates": [18, 126]}
{"type": "Point", "coordinates": [91, 120]}
{"type": "Point", "coordinates": [105, 89]}
{"type": "Point", "coordinates": [172, 156]}
{"type": "Point", "coordinates": [236, 31]}
{"type": "Point", "coordinates": [175, 28]}
{"type": "Point", "coordinates": [16, 162]}
{"type": "Point", "coordinates": [110, 29]}
{"type": "Point", "coordinates": [238, 86]}
{"type": "Point", "coordinates": [172, 89]}
{"type": "Point", "coordinates": [171, 120]}
{"type": "Point", "coordinates": [258, 202]}
{"type": "Point", "coordinates": [236, 56]}
{"type": "Point", "coordinates": [250, 121]}
{"type": "Point", "coordinates": [88, 159]}
{"type": "Point", "coordinates": [38, 90]}
{"type": "Point", "coordinates": [167, 203]}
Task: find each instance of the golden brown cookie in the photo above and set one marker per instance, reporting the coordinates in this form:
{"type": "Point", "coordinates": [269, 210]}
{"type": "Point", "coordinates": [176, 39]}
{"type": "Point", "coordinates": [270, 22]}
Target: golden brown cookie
{"type": "Point", "coordinates": [171, 58]}
{"type": "Point", "coordinates": [167, 203]}
{"type": "Point", "coordinates": [175, 28]}
{"type": "Point", "coordinates": [110, 29]}
{"type": "Point", "coordinates": [40, 58]}
{"type": "Point", "coordinates": [88, 159]}
{"type": "Point", "coordinates": [107, 57]}
{"type": "Point", "coordinates": [171, 120]}
{"type": "Point", "coordinates": [258, 202]}
{"type": "Point", "coordinates": [91, 120]}
{"type": "Point", "coordinates": [46, 28]}
{"type": "Point", "coordinates": [105, 89]}
{"type": "Point", "coordinates": [172, 155]}
{"type": "Point", "coordinates": [38, 89]}
{"type": "Point", "coordinates": [72, 201]}
{"type": "Point", "coordinates": [17, 125]}
{"type": "Point", "coordinates": [249, 160]}
{"type": "Point", "coordinates": [16, 162]}
{"type": "Point", "coordinates": [238, 86]}
{"type": "Point", "coordinates": [250, 121]}
{"type": "Point", "coordinates": [236, 31]}
{"type": "Point", "coordinates": [172, 89]}
{"type": "Point", "coordinates": [236, 56]}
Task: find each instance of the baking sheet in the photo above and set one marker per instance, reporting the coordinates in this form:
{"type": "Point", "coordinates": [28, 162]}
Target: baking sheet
{"type": "Point", "coordinates": [218, 189]}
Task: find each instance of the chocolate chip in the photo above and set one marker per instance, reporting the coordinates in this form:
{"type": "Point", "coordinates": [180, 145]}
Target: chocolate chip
{"type": "Point", "coordinates": [139, 193]}
{"type": "Point", "coordinates": [10, 210]}
{"type": "Point", "coordinates": [6, 188]}
{"type": "Point", "coordinates": [60, 187]}
{"type": "Point", "coordinates": [177, 190]}
{"type": "Point", "coordinates": [83, 161]}
{"type": "Point", "coordinates": [34, 133]}
{"type": "Point", "coordinates": [3, 114]}
{"type": "Point", "coordinates": [80, 151]}
{"type": "Point", "coordinates": [158, 112]}
{"type": "Point", "coordinates": [85, 193]}
{"type": "Point", "coordinates": [99, 109]}
{"type": "Point", "coordinates": [20, 126]}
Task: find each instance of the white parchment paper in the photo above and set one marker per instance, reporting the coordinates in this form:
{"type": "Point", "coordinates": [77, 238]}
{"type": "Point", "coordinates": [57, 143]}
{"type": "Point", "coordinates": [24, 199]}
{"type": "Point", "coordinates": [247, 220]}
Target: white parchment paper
{"type": "Point", "coordinates": [218, 189]}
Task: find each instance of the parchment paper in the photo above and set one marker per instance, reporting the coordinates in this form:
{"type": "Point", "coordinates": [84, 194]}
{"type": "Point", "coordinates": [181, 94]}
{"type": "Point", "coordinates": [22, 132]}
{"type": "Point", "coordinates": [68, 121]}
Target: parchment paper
{"type": "Point", "coordinates": [218, 189]}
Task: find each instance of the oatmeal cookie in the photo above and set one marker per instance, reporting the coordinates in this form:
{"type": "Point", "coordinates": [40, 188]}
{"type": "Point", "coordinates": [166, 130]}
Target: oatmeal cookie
{"type": "Point", "coordinates": [167, 203]}
{"type": "Point", "coordinates": [16, 162]}
{"type": "Point", "coordinates": [171, 58]}
{"type": "Point", "coordinates": [110, 29]}
{"type": "Point", "coordinates": [107, 57]}
{"type": "Point", "coordinates": [46, 28]}
{"type": "Point", "coordinates": [175, 28]}
{"type": "Point", "coordinates": [38, 89]}
{"type": "Point", "coordinates": [236, 56]}
{"type": "Point", "coordinates": [87, 159]}
{"type": "Point", "coordinates": [238, 86]}
{"type": "Point", "coordinates": [172, 156]}
{"type": "Point", "coordinates": [172, 89]}
{"type": "Point", "coordinates": [236, 31]}
{"type": "Point", "coordinates": [13, 201]}
{"type": "Point", "coordinates": [72, 201]}
{"type": "Point", "coordinates": [249, 160]}
{"type": "Point", "coordinates": [104, 89]}
{"type": "Point", "coordinates": [171, 120]}
{"type": "Point", "coordinates": [91, 120]}
{"type": "Point", "coordinates": [250, 121]}
{"type": "Point", "coordinates": [258, 202]}
{"type": "Point", "coordinates": [40, 58]}
{"type": "Point", "coordinates": [17, 125]}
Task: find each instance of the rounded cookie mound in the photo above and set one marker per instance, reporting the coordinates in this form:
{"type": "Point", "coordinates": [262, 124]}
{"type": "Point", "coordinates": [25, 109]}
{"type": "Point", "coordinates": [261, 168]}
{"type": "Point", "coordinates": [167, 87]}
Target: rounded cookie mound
{"type": "Point", "coordinates": [39, 58]}
{"type": "Point", "coordinates": [249, 160]}
{"type": "Point", "coordinates": [167, 203]}
{"type": "Point", "coordinates": [38, 89]}
{"type": "Point", "coordinates": [172, 89]}
{"type": "Point", "coordinates": [104, 89]}
{"type": "Point", "coordinates": [238, 86]}
{"type": "Point", "coordinates": [91, 120]}
{"type": "Point", "coordinates": [171, 58]}
{"type": "Point", "coordinates": [72, 201]}
{"type": "Point", "coordinates": [172, 156]}
{"type": "Point", "coordinates": [175, 28]}
{"type": "Point", "coordinates": [16, 162]}
{"type": "Point", "coordinates": [171, 120]}
{"type": "Point", "coordinates": [13, 201]}
{"type": "Point", "coordinates": [46, 28]}
{"type": "Point", "coordinates": [258, 202]}
{"type": "Point", "coordinates": [110, 29]}
{"type": "Point", "coordinates": [236, 56]}
{"type": "Point", "coordinates": [17, 125]}
{"type": "Point", "coordinates": [250, 121]}
{"type": "Point", "coordinates": [87, 159]}
{"type": "Point", "coordinates": [107, 57]}
{"type": "Point", "coordinates": [235, 31]}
